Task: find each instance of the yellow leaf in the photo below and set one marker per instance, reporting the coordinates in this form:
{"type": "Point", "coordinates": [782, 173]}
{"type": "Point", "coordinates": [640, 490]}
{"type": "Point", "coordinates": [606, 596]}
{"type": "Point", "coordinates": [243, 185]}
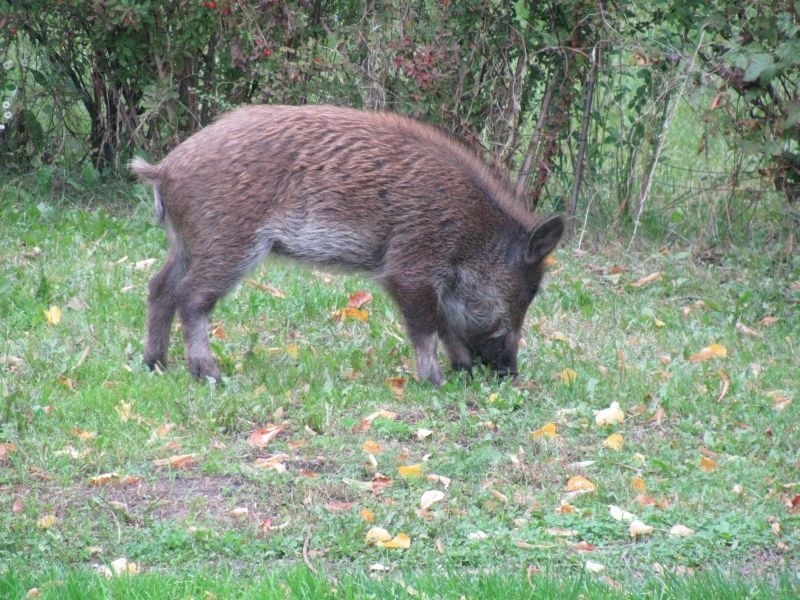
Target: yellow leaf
{"type": "Point", "coordinates": [239, 512]}
{"type": "Point", "coordinates": [609, 416]}
{"type": "Point", "coordinates": [84, 436]}
{"type": "Point", "coordinates": [580, 483]}
{"type": "Point", "coordinates": [350, 313]}
{"type": "Point", "coordinates": [47, 521]}
{"type": "Point", "coordinates": [638, 484]}
{"type": "Point", "coordinates": [614, 441]}
{"type": "Point", "coordinates": [366, 422]}
{"type": "Point", "coordinates": [709, 352]}
{"type": "Point", "coordinates": [53, 315]}
{"type": "Point", "coordinates": [567, 375]}
{"type": "Point", "coordinates": [565, 508]}
{"type": "Point", "coordinates": [371, 447]}
{"type": "Point", "coordinates": [548, 430]}
{"type": "Point", "coordinates": [557, 336]}
{"type": "Point", "coordinates": [272, 463]}
{"type": "Point", "coordinates": [658, 322]}
{"type": "Point", "coordinates": [549, 261]}
{"type": "Point", "coordinates": [410, 471]}
{"type": "Point", "coordinates": [378, 534]}
{"type": "Point", "coordinates": [637, 528]}
{"type": "Point", "coordinates": [124, 411]}
{"type": "Point", "coordinates": [646, 280]}
{"type": "Point", "coordinates": [401, 541]}
{"type": "Point", "coordinates": [397, 385]}
{"type": "Point", "coordinates": [367, 515]}
{"type": "Point", "coordinates": [292, 350]}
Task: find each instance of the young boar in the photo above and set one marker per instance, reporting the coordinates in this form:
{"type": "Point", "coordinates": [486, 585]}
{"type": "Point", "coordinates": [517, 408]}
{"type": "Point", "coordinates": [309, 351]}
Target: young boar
{"type": "Point", "coordinates": [407, 203]}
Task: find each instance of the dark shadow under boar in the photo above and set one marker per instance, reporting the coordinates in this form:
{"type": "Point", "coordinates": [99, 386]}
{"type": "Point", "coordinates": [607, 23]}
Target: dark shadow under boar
{"type": "Point", "coordinates": [409, 204]}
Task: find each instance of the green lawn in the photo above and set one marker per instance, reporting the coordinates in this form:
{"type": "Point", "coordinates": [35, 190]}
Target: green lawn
{"type": "Point", "coordinates": [712, 445]}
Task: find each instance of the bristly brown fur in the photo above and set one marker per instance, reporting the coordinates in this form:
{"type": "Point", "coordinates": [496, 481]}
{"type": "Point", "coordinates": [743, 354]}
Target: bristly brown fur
{"type": "Point", "coordinates": [408, 203]}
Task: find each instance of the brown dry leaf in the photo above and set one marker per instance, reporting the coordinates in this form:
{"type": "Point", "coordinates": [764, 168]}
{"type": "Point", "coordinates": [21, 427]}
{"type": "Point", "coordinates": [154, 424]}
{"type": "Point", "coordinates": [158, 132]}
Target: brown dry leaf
{"type": "Point", "coordinates": [179, 461]}
{"type": "Point", "coordinates": [262, 437]}
{"type": "Point", "coordinates": [614, 441]}
{"type": "Point", "coordinates": [7, 448]}
{"type": "Point", "coordinates": [745, 330]}
{"type": "Point", "coordinates": [561, 532]}
{"type": "Point", "coordinates": [160, 432]}
{"type": "Point", "coordinates": [350, 313]}
{"type": "Point", "coordinates": [567, 376]}
{"type": "Point", "coordinates": [638, 484]}
{"type": "Point", "coordinates": [499, 496]}
{"type": "Point", "coordinates": [397, 385]}
{"type": "Point", "coordinates": [84, 436]}
{"type": "Point", "coordinates": [707, 464]}
{"type": "Point", "coordinates": [265, 287]}
{"type": "Point", "coordinates": [53, 315]}
{"type": "Point", "coordinates": [565, 508]}
{"type": "Point", "coordinates": [548, 430]}
{"type": "Point", "coordinates": [410, 471]}
{"type": "Point", "coordinates": [359, 299]}
{"type": "Point", "coordinates": [579, 483]}
{"type": "Point", "coordinates": [709, 352]}
{"type": "Point", "coordinates": [105, 479]}
{"type": "Point", "coordinates": [646, 280]}
{"type": "Point", "coordinates": [17, 507]}
{"type": "Point", "coordinates": [379, 483]}
{"type": "Point", "coordinates": [609, 416]}
{"type": "Point", "coordinates": [338, 506]}
{"type": "Point", "coordinates": [637, 529]}
{"type": "Point", "coordinates": [47, 521]}
{"type": "Point", "coordinates": [582, 546]}
{"type": "Point", "coordinates": [558, 336]}
{"type": "Point", "coordinates": [371, 447]}
{"type": "Point", "coordinates": [645, 500]}
{"type": "Point", "coordinates": [549, 261]}
{"type": "Point", "coordinates": [272, 463]}
{"type": "Point", "coordinates": [767, 321]}
{"type": "Point", "coordinates": [617, 270]}
{"type": "Point", "coordinates": [724, 385]}
{"type": "Point", "coordinates": [366, 422]}
{"type": "Point", "coordinates": [239, 512]}
{"type": "Point", "coordinates": [67, 382]}
{"type": "Point", "coordinates": [779, 402]}
{"type": "Point", "coordinates": [218, 332]}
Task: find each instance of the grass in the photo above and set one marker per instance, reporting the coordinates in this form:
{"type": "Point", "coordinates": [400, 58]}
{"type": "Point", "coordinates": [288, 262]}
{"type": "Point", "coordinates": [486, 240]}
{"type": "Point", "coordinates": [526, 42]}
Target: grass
{"type": "Point", "coordinates": [712, 445]}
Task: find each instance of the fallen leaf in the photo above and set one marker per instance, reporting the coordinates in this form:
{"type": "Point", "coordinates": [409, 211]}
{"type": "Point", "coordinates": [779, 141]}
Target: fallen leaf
{"type": "Point", "coordinates": [745, 330]}
{"type": "Point", "coordinates": [567, 376]}
{"type": "Point", "coordinates": [7, 448]}
{"type": "Point", "coordinates": [646, 280]}
{"type": "Point", "coordinates": [160, 432]}
{"type": "Point", "coordinates": [609, 416]}
{"type": "Point", "coordinates": [779, 402]}
{"type": "Point", "coordinates": [292, 351]}
{"type": "Point", "coordinates": [410, 471]}
{"type": "Point", "coordinates": [638, 484]}
{"type": "Point", "coordinates": [710, 352]}
{"type": "Point", "coordinates": [367, 515]}
{"type": "Point", "coordinates": [679, 530]}
{"type": "Point", "coordinates": [549, 261]}
{"type": "Point", "coordinates": [262, 437]}
{"type": "Point", "coordinates": [378, 536]}
{"type": "Point", "coordinates": [264, 287]}
{"type": "Point", "coordinates": [637, 528]}
{"type": "Point", "coordinates": [359, 299]}
{"type": "Point", "coordinates": [582, 546]}
{"type": "Point", "coordinates": [272, 463]}
{"type": "Point", "coordinates": [614, 441]}
{"type": "Point", "coordinates": [725, 384]}
{"type": "Point", "coordinates": [549, 430]}
{"type": "Point", "coordinates": [445, 481]}
{"type": "Point", "coordinates": [338, 506]}
{"type": "Point", "coordinates": [767, 321]}
{"type": "Point", "coordinates": [707, 464]}
{"type": "Point", "coordinates": [366, 422]}
{"type": "Point", "coordinates": [565, 508]}
{"type": "Point", "coordinates": [379, 483]}
{"type": "Point", "coordinates": [397, 385]}
{"type": "Point", "coordinates": [239, 512]}
{"type": "Point", "coordinates": [645, 500]}
{"type": "Point", "coordinates": [558, 336]}
{"type": "Point", "coordinates": [350, 313]}
{"type": "Point", "coordinates": [594, 567]}
{"type": "Point", "coordinates": [17, 507]}
{"type": "Point", "coordinates": [378, 568]}
{"type": "Point", "coordinates": [113, 479]}
{"type": "Point", "coordinates": [561, 532]}
{"type": "Point", "coordinates": [371, 447]}
{"type": "Point", "coordinates": [477, 535]}
{"type": "Point", "coordinates": [620, 515]}
{"type": "Point", "coordinates": [124, 410]}
{"type": "Point", "coordinates": [423, 433]}
{"type": "Point", "coordinates": [122, 566]}
{"type": "Point", "coordinates": [179, 461]}
{"type": "Point", "coordinates": [579, 483]}
{"type": "Point", "coordinates": [53, 315]}
{"type": "Point", "coordinates": [400, 541]}
{"type": "Point", "coordinates": [47, 521]}
{"type": "Point", "coordinates": [429, 498]}
{"type": "Point", "coordinates": [84, 436]}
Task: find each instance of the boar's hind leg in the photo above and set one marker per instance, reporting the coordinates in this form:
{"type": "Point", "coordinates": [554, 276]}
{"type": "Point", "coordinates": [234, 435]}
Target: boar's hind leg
{"type": "Point", "coordinates": [161, 305]}
{"type": "Point", "coordinates": [418, 305]}
{"type": "Point", "coordinates": [198, 292]}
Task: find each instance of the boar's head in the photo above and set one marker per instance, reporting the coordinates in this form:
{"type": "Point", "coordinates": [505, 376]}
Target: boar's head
{"type": "Point", "coordinates": [484, 301]}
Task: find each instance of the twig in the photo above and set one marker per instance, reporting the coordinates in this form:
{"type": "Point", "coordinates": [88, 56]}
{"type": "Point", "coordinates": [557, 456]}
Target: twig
{"type": "Point", "coordinates": [306, 543]}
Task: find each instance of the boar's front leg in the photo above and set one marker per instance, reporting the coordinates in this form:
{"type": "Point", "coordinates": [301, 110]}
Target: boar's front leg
{"type": "Point", "coordinates": [418, 305]}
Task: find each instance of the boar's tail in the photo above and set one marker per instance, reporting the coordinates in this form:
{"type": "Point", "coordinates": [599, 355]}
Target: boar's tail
{"type": "Point", "coordinates": [150, 174]}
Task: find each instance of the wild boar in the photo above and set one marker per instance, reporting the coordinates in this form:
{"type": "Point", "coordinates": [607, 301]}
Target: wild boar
{"type": "Point", "coordinates": [405, 202]}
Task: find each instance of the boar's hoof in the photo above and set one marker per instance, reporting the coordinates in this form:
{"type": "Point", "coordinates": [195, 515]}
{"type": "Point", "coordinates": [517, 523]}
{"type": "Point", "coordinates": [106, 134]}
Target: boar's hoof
{"type": "Point", "coordinates": [155, 364]}
{"type": "Point", "coordinates": [204, 369]}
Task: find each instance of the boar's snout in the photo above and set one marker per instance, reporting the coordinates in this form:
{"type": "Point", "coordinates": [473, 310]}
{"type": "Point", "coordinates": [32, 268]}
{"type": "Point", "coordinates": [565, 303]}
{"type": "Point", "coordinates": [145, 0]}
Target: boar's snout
{"type": "Point", "coordinates": [499, 353]}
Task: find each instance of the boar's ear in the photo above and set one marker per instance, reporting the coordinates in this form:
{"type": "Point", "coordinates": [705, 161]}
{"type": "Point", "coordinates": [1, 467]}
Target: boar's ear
{"type": "Point", "coordinates": [542, 240]}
